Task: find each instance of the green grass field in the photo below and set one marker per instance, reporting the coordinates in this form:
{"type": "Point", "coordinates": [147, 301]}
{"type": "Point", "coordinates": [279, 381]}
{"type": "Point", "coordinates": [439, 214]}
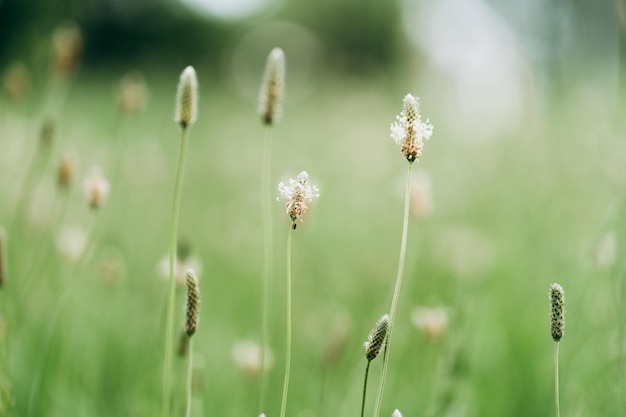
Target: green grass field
{"type": "Point", "coordinates": [535, 204]}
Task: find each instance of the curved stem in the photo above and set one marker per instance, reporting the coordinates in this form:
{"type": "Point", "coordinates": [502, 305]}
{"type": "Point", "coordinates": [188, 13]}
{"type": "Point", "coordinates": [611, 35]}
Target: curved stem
{"type": "Point", "coordinates": [396, 291]}
{"type": "Point", "coordinates": [268, 256]}
{"type": "Point", "coordinates": [283, 405]}
{"type": "Point", "coordinates": [169, 329]}
{"type": "Point", "coordinates": [367, 370]}
{"type": "Point", "coordinates": [556, 379]}
{"type": "Point", "coordinates": [189, 374]}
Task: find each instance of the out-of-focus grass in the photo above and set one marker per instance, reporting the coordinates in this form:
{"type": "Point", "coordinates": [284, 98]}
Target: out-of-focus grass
{"type": "Point", "coordinates": [511, 216]}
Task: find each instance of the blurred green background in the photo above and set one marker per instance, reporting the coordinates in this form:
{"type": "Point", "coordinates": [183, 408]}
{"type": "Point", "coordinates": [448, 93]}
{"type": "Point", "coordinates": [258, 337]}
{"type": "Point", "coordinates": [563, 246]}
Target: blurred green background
{"type": "Point", "coordinates": [521, 185]}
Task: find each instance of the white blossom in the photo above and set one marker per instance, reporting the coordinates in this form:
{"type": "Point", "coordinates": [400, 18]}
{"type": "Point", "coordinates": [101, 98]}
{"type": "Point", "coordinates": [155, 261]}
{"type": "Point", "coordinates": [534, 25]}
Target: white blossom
{"type": "Point", "coordinates": [409, 131]}
{"type": "Point", "coordinates": [297, 193]}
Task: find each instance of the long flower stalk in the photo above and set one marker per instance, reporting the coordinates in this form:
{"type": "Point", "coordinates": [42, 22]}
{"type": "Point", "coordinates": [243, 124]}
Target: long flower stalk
{"type": "Point", "coordinates": [557, 329]}
{"type": "Point", "coordinates": [268, 256]}
{"type": "Point", "coordinates": [171, 293]}
{"type": "Point", "coordinates": [296, 193]}
{"type": "Point", "coordinates": [410, 132]}
{"type": "Point", "coordinates": [186, 113]}
{"type": "Point", "coordinates": [396, 291]}
{"type": "Point", "coordinates": [270, 101]}
{"type": "Point", "coordinates": [283, 402]}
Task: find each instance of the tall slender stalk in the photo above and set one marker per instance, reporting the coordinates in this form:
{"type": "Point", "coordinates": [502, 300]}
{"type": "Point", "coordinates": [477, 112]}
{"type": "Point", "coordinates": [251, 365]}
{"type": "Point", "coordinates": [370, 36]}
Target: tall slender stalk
{"type": "Point", "coordinates": [169, 333]}
{"type": "Point", "coordinates": [189, 378]}
{"type": "Point", "coordinates": [283, 405]}
{"type": "Point", "coordinates": [396, 291]}
{"type": "Point", "coordinates": [557, 329]}
{"type": "Point", "coordinates": [367, 370]}
{"type": "Point", "coordinates": [268, 256]}
{"type": "Point", "coordinates": [556, 379]}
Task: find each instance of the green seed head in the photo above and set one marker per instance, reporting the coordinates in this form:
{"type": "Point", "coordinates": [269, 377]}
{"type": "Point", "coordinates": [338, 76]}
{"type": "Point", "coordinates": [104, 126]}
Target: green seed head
{"type": "Point", "coordinates": [557, 312]}
{"type": "Point", "coordinates": [193, 303]}
{"type": "Point", "coordinates": [377, 338]}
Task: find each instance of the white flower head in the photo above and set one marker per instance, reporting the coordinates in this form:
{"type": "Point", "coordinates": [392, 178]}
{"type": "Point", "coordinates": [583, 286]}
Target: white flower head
{"type": "Point", "coordinates": [71, 242]}
{"type": "Point", "coordinates": [433, 322]}
{"type": "Point", "coordinates": [297, 193]}
{"type": "Point", "coordinates": [409, 131]}
{"type": "Point", "coordinates": [396, 413]}
{"type": "Point", "coordinates": [247, 357]}
{"type": "Point", "coordinates": [181, 267]}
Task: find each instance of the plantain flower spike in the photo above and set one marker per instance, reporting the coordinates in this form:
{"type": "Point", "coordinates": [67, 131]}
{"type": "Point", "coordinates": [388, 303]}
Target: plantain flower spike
{"type": "Point", "coordinates": [96, 188]}
{"type": "Point", "coordinates": [557, 312]}
{"type": "Point", "coordinates": [377, 338]}
{"type": "Point", "coordinates": [296, 193]}
{"type": "Point", "coordinates": [192, 315]}
{"type": "Point", "coordinates": [187, 98]}
{"type": "Point", "coordinates": [273, 88]}
{"type": "Point", "coordinates": [409, 131]}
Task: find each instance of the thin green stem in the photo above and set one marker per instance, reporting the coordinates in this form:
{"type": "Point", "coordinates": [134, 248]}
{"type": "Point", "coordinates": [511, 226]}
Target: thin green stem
{"type": "Point", "coordinates": [556, 379]}
{"type": "Point", "coordinates": [44, 353]}
{"type": "Point", "coordinates": [283, 405]}
{"type": "Point", "coordinates": [57, 219]}
{"type": "Point", "coordinates": [396, 291]}
{"type": "Point", "coordinates": [268, 255]}
{"type": "Point", "coordinates": [189, 374]}
{"type": "Point", "coordinates": [169, 329]}
{"type": "Point", "coordinates": [367, 370]}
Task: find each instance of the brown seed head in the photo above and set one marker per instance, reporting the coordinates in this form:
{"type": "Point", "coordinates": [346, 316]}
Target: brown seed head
{"type": "Point", "coordinates": [96, 188]}
{"type": "Point", "coordinates": [65, 172]}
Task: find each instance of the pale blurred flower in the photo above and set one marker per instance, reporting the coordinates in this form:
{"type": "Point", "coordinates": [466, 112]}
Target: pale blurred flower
{"type": "Point", "coordinates": [247, 357]}
{"type": "Point", "coordinates": [133, 94]}
{"type": "Point", "coordinates": [409, 131]}
{"type": "Point", "coordinates": [297, 192]}
{"type": "Point", "coordinates": [180, 270]}
{"type": "Point", "coordinates": [186, 111]}
{"type": "Point", "coordinates": [112, 267]}
{"type": "Point", "coordinates": [432, 321]}
{"type": "Point", "coordinates": [67, 43]}
{"type": "Point", "coordinates": [65, 171]}
{"type": "Point", "coordinates": [71, 242]}
{"type": "Point", "coordinates": [16, 81]}
{"type": "Point", "coordinates": [96, 187]}
{"type": "Point", "coordinates": [273, 87]}
{"type": "Point", "coordinates": [606, 251]}
{"type": "Point", "coordinates": [421, 196]}
{"type": "Point", "coordinates": [396, 413]}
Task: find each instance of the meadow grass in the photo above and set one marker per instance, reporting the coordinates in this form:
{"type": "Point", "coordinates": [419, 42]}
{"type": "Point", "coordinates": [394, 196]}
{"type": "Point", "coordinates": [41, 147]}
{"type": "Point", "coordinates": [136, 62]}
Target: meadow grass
{"type": "Point", "coordinates": [511, 215]}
